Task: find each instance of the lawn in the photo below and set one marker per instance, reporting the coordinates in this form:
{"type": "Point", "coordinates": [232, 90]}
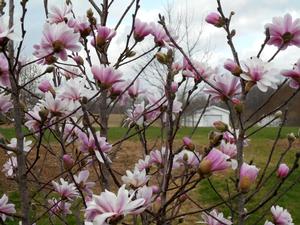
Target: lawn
{"type": "Point", "coordinates": [257, 151]}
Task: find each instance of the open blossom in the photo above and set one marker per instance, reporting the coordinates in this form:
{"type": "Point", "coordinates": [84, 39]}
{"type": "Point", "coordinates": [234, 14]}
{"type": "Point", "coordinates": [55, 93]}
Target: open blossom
{"type": "Point", "coordinates": [189, 158]}
{"type": "Point", "coordinates": [13, 144]}
{"type": "Point", "coordinates": [214, 218]}
{"type": "Point", "coordinates": [56, 106]}
{"type": "Point", "coordinates": [157, 157]}
{"type": "Point", "coordinates": [10, 166]}
{"type": "Point", "coordinates": [228, 149]}
{"type": "Point", "coordinates": [215, 19]}
{"type": "Point", "coordinates": [226, 85]}
{"type": "Point", "coordinates": [136, 178]}
{"type": "Point", "coordinates": [57, 39]}
{"type": "Point", "coordinates": [284, 31]}
{"type": "Point", "coordinates": [258, 72]}
{"type": "Point", "coordinates": [65, 190]}
{"type": "Point", "coordinates": [34, 119]}
{"type": "Point", "coordinates": [159, 34]}
{"type": "Point", "coordinates": [5, 103]}
{"type": "Point", "coordinates": [214, 161]}
{"type": "Point", "coordinates": [81, 25]}
{"type": "Point", "coordinates": [141, 30]}
{"type": "Point", "coordinates": [135, 115]}
{"type": "Point", "coordinates": [104, 35]}
{"type": "Point", "coordinates": [5, 207]}
{"type": "Point", "coordinates": [4, 73]}
{"type": "Point", "coordinates": [143, 164]}
{"type": "Point", "coordinates": [84, 185]}
{"type": "Point", "coordinates": [248, 175]}
{"type": "Point", "coordinates": [134, 90]}
{"type": "Point", "coordinates": [294, 75]}
{"type": "Point", "coordinates": [106, 76]}
{"type": "Point", "coordinates": [203, 71]}
{"type": "Point", "coordinates": [283, 170]}
{"type": "Point", "coordinates": [59, 207]}
{"type": "Point", "coordinates": [108, 207]}
{"type": "Point", "coordinates": [6, 32]}
{"type": "Point", "coordinates": [146, 193]}
{"type": "Point", "coordinates": [59, 14]}
{"type": "Point", "coordinates": [281, 216]}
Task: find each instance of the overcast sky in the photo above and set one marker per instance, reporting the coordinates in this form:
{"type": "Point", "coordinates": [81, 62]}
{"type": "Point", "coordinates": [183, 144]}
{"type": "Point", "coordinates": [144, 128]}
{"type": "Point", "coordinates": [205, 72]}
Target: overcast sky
{"type": "Point", "coordinates": [249, 21]}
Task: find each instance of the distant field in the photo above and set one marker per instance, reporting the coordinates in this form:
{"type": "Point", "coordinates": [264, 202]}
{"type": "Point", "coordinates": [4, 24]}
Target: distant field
{"type": "Point", "coordinates": [257, 151]}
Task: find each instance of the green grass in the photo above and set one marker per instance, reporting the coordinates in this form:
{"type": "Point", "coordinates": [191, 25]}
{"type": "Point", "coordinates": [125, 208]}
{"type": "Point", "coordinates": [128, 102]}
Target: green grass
{"type": "Point", "coordinates": [257, 151]}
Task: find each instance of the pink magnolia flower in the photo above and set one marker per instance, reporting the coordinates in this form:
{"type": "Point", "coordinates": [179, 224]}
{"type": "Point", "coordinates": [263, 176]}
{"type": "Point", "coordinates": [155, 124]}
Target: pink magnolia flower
{"type": "Point", "coordinates": [159, 34]}
{"type": "Point", "coordinates": [228, 149]}
{"type": "Point", "coordinates": [284, 31]}
{"type": "Point", "coordinates": [13, 144]}
{"type": "Point", "coordinates": [57, 39]}
{"type": "Point", "coordinates": [45, 86]}
{"type": "Point", "coordinates": [135, 90]}
{"type": "Point", "coordinates": [189, 158]}
{"type": "Point", "coordinates": [283, 170]}
{"type": "Point", "coordinates": [294, 75]}
{"type": "Point", "coordinates": [84, 185]}
{"type": "Point", "coordinates": [248, 175]}
{"type": "Point", "coordinates": [5, 103]}
{"type": "Point", "coordinates": [281, 216]}
{"type": "Point", "coordinates": [81, 25]}
{"type": "Point", "coordinates": [143, 164]}
{"type": "Point", "coordinates": [56, 106]}
{"type": "Point", "coordinates": [233, 67]}
{"type": "Point", "coordinates": [106, 76]}
{"type": "Point", "coordinates": [227, 85]}
{"type": "Point", "coordinates": [145, 193]}
{"type": "Point", "coordinates": [10, 166]}
{"type": "Point", "coordinates": [174, 87]}
{"type": "Point", "coordinates": [59, 207]}
{"type": "Point", "coordinates": [4, 74]}
{"type": "Point", "coordinates": [104, 35]}
{"type": "Point", "coordinates": [215, 218]}
{"type": "Point", "coordinates": [157, 157]}
{"type": "Point", "coordinates": [136, 179]}
{"type": "Point", "coordinates": [141, 30]}
{"type": "Point", "coordinates": [59, 14]}
{"type": "Point", "coordinates": [135, 115]}
{"type": "Point", "coordinates": [110, 208]}
{"type": "Point", "coordinates": [34, 120]}
{"type": "Point", "coordinates": [6, 32]}
{"type": "Point", "coordinates": [214, 161]}
{"type": "Point", "coordinates": [188, 143]}
{"type": "Point", "coordinates": [68, 161]}
{"type": "Point", "coordinates": [203, 71]}
{"type": "Point", "coordinates": [229, 138]}
{"type": "Point", "coordinates": [214, 19]}
{"type": "Point", "coordinates": [65, 190]}
{"type": "Point", "coordinates": [5, 207]}
{"type": "Point", "coordinates": [258, 72]}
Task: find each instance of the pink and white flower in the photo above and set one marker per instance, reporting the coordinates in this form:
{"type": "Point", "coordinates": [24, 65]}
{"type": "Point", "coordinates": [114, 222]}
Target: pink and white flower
{"type": "Point", "coordinates": [6, 208]}
{"type": "Point", "coordinates": [45, 86]}
{"type": "Point", "coordinates": [281, 216]}
{"type": "Point", "coordinates": [143, 164]}
{"type": "Point", "coordinates": [65, 190]}
{"type": "Point", "coordinates": [227, 87]}
{"type": "Point", "coordinates": [81, 25]}
{"type": "Point", "coordinates": [146, 193]}
{"type": "Point", "coordinates": [248, 175]}
{"type": "Point", "coordinates": [59, 14]}
{"type": "Point", "coordinates": [104, 35]}
{"type": "Point", "coordinates": [34, 120]}
{"type": "Point", "coordinates": [283, 170]}
{"type": "Point", "coordinates": [159, 34]}
{"type": "Point", "coordinates": [56, 106]}
{"type": "Point", "coordinates": [202, 71]}
{"type": "Point", "coordinates": [215, 19]}
{"type": "Point", "coordinates": [258, 72]}
{"type": "Point", "coordinates": [108, 207]}
{"type": "Point", "coordinates": [82, 182]}
{"type": "Point", "coordinates": [26, 144]}
{"type": "Point", "coordinates": [59, 207]}
{"type": "Point", "coordinates": [294, 75]}
{"type": "Point", "coordinates": [141, 30]}
{"type": "Point", "coordinates": [233, 67]}
{"type": "Point", "coordinates": [106, 76]}
{"type": "Point", "coordinates": [284, 31]}
{"type": "Point", "coordinates": [228, 149]}
{"type": "Point", "coordinates": [5, 103]}
{"type": "Point", "coordinates": [4, 73]}
{"type": "Point", "coordinates": [136, 179]}
{"type": "Point", "coordinates": [214, 218]}
{"type": "Point", "coordinates": [10, 166]}
{"type": "Point", "coordinates": [6, 32]}
{"type": "Point", "coordinates": [189, 158]}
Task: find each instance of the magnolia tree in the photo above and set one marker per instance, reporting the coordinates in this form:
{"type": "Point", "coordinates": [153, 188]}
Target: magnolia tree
{"type": "Point", "coordinates": [80, 86]}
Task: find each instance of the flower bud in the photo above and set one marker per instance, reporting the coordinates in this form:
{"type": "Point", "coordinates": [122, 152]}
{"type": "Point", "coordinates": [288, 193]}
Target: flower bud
{"type": "Point", "coordinates": [183, 197]}
{"type": "Point", "coordinates": [89, 13]}
{"type": "Point", "coordinates": [162, 58]}
{"type": "Point", "coordinates": [248, 175]}
{"type": "Point", "coordinates": [233, 67]}
{"type": "Point", "coordinates": [215, 19]}
{"type": "Point", "coordinates": [220, 126]}
{"type": "Point", "coordinates": [291, 137]}
{"type": "Point", "coordinates": [174, 87]}
{"type": "Point", "coordinates": [78, 59]}
{"type": "Point", "coordinates": [238, 105]}
{"type": "Point", "coordinates": [188, 143]}
{"type": "Point", "coordinates": [68, 161]}
{"type": "Point", "coordinates": [49, 69]}
{"type": "Point", "coordinates": [283, 170]}
{"type": "Point", "coordinates": [278, 114]}
{"type": "Point", "coordinates": [155, 189]}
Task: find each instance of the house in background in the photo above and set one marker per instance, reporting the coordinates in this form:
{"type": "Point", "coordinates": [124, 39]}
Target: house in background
{"type": "Point", "coordinates": [212, 114]}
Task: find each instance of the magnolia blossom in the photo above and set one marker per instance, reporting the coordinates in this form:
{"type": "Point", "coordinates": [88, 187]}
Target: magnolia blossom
{"type": "Point", "coordinates": [34, 120]}
{"type": "Point", "coordinates": [4, 73]}
{"type": "Point", "coordinates": [141, 30]}
{"type": "Point", "coordinates": [214, 161]}
{"type": "Point", "coordinates": [248, 175]}
{"type": "Point", "coordinates": [59, 207]}
{"type": "Point", "coordinates": [10, 166]}
{"type": "Point", "coordinates": [159, 34]}
{"type": "Point", "coordinates": [189, 158]}
{"type": "Point", "coordinates": [59, 14]}
{"type": "Point", "coordinates": [136, 179]}
{"type": "Point", "coordinates": [71, 131]}
{"type": "Point", "coordinates": [45, 86]}
{"type": "Point", "coordinates": [6, 32]}
{"type": "Point", "coordinates": [226, 86]}
{"type": "Point", "coordinates": [143, 164]}
{"type": "Point", "coordinates": [135, 115]}
{"type": "Point", "coordinates": [84, 185]}
{"type": "Point", "coordinates": [146, 193]}
{"type": "Point", "coordinates": [104, 35]}
{"type": "Point", "coordinates": [81, 25]}
{"type": "Point", "coordinates": [284, 32]}
{"type": "Point", "coordinates": [5, 207]}
{"type": "Point", "coordinates": [157, 157]}
{"type": "Point", "coordinates": [57, 39]}
{"type": "Point", "coordinates": [258, 72]}
{"type": "Point", "coordinates": [135, 90]}
{"type": "Point", "coordinates": [56, 106]}
{"type": "Point", "coordinates": [106, 76]}
{"type": "Point", "coordinates": [68, 161]}
{"type": "Point", "coordinates": [26, 144]}
{"type": "Point", "coordinates": [215, 19]}
{"type": "Point", "coordinates": [228, 149]}
{"type": "Point", "coordinates": [294, 75]}
{"type": "Point", "coordinates": [5, 103]}
{"type": "Point", "coordinates": [281, 216]}
{"type": "Point", "coordinates": [65, 190]}
{"type": "Point", "coordinates": [214, 218]}
{"type": "Point", "coordinates": [233, 67]}
{"type": "Point", "coordinates": [110, 208]}
{"type": "Point", "coordinates": [188, 143]}
{"type": "Point", "coordinates": [283, 170]}
{"type": "Point", "coordinates": [202, 71]}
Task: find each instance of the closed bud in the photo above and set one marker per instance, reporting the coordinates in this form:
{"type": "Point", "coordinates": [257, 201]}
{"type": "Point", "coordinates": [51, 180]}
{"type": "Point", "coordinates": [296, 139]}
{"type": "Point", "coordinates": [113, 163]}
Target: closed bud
{"type": "Point", "coordinates": [291, 137]}
{"type": "Point", "coordinates": [283, 170]}
{"type": "Point", "coordinates": [183, 197]}
{"type": "Point", "coordinates": [130, 53]}
{"type": "Point", "coordinates": [49, 69]}
{"type": "Point", "coordinates": [89, 13]}
{"type": "Point", "coordinates": [185, 157]}
{"type": "Point", "coordinates": [174, 87]}
{"type": "Point", "coordinates": [238, 105]}
{"type": "Point", "coordinates": [68, 161]}
{"type": "Point", "coordinates": [162, 58]}
{"type": "Point", "coordinates": [43, 114]}
{"type": "Point", "coordinates": [220, 126]}
{"type": "Point", "coordinates": [188, 143]}
{"type": "Point", "coordinates": [79, 60]}
{"type": "Point", "coordinates": [278, 114]}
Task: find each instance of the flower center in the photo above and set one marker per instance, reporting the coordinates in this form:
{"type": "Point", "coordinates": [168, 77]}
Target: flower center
{"type": "Point", "coordinates": [287, 37]}
{"type": "Point", "coordinates": [58, 46]}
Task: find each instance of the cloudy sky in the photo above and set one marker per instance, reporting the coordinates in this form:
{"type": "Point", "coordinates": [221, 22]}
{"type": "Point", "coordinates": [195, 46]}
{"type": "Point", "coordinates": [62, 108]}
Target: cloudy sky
{"type": "Point", "coordinates": [249, 20]}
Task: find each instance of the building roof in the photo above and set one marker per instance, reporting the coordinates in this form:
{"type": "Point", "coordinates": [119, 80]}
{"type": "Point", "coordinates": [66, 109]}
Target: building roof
{"type": "Point", "coordinates": [213, 107]}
